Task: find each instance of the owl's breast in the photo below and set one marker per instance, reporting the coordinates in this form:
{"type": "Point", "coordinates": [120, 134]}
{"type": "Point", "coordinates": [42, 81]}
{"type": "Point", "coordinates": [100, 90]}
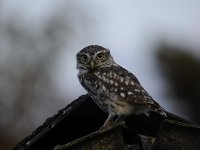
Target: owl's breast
{"type": "Point", "coordinates": [110, 91]}
{"type": "Point", "coordinates": [96, 89]}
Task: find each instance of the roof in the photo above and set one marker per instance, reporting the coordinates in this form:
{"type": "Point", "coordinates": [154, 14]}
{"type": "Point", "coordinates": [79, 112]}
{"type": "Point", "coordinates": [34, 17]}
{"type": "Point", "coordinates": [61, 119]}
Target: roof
{"type": "Point", "coordinates": [76, 126]}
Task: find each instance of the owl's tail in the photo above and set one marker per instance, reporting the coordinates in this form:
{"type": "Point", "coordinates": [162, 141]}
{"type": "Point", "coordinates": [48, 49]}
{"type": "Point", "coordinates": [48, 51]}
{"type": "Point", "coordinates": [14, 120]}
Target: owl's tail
{"type": "Point", "coordinates": [158, 109]}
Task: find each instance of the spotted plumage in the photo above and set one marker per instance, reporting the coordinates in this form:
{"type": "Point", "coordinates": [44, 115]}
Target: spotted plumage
{"type": "Point", "coordinates": [114, 89]}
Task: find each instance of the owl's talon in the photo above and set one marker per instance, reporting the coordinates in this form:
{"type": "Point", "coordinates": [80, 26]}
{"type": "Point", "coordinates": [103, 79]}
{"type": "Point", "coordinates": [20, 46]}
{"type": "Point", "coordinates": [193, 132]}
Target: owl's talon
{"type": "Point", "coordinates": [106, 126]}
{"type": "Point", "coordinates": [112, 125]}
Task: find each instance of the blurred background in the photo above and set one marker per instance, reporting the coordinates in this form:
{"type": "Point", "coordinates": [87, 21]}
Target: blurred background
{"type": "Point", "coordinates": [158, 41]}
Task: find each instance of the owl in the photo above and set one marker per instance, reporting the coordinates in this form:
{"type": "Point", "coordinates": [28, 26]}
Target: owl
{"type": "Point", "coordinates": [114, 89]}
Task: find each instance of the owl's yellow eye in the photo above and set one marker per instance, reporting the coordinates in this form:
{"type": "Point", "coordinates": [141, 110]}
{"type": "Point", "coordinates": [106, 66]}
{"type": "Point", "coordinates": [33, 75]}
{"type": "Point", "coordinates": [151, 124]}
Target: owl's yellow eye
{"type": "Point", "coordinates": [84, 58]}
{"type": "Point", "coordinates": [100, 56]}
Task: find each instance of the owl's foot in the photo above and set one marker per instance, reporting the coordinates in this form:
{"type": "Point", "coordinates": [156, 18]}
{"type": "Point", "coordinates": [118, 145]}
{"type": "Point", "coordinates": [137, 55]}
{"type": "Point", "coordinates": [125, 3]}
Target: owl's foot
{"type": "Point", "coordinates": [120, 118]}
{"type": "Point", "coordinates": [111, 122]}
{"type": "Point", "coordinates": [106, 126]}
{"type": "Point", "coordinates": [108, 123]}
{"type": "Point", "coordinates": [111, 125]}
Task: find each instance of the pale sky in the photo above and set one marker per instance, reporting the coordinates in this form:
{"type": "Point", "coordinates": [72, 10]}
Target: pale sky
{"type": "Point", "coordinates": [131, 29]}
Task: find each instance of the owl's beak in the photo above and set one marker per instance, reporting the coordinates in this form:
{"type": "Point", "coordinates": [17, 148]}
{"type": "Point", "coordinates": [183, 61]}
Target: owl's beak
{"type": "Point", "coordinates": [92, 65]}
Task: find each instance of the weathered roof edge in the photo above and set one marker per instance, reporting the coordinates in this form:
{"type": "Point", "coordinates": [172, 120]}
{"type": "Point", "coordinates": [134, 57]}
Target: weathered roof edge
{"type": "Point", "coordinates": [50, 122]}
{"type": "Point", "coordinates": [90, 136]}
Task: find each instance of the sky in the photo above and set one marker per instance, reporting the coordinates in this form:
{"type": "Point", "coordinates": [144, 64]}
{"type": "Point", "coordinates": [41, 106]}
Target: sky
{"type": "Point", "coordinates": [131, 29]}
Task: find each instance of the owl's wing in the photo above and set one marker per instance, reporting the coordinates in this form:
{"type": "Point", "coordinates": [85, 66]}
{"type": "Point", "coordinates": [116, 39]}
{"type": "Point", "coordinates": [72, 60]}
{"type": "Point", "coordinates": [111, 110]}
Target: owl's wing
{"type": "Point", "coordinates": [135, 93]}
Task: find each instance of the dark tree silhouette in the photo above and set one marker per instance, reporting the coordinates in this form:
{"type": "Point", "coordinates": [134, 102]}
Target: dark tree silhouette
{"type": "Point", "coordinates": [28, 51]}
{"type": "Point", "coordinates": [182, 69]}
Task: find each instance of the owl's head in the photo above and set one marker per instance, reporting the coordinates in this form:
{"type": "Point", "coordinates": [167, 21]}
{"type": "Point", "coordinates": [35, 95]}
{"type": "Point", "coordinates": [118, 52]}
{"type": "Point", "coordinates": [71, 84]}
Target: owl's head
{"type": "Point", "coordinates": [94, 57]}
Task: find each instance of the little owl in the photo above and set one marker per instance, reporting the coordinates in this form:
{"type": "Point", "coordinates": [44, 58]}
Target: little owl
{"type": "Point", "coordinates": [114, 89]}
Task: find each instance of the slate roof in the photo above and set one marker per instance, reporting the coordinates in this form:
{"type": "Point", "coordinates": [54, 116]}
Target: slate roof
{"type": "Point", "coordinates": [76, 127]}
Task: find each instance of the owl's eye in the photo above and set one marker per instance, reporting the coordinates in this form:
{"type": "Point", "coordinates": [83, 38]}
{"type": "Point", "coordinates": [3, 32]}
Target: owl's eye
{"type": "Point", "coordinates": [84, 58]}
{"type": "Point", "coordinates": [100, 56]}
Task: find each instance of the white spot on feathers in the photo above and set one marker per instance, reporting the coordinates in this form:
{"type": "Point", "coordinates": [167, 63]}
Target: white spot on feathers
{"type": "Point", "coordinates": [122, 94]}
